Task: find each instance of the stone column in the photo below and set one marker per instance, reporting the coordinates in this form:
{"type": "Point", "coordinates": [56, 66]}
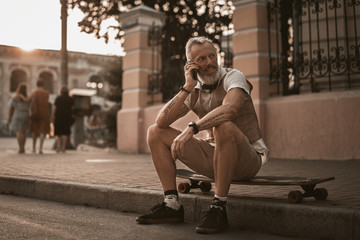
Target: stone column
{"type": "Point", "coordinates": [250, 48]}
{"type": "Point", "coordinates": [137, 65]}
{"type": "Point", "coordinates": [5, 86]}
{"type": "Point", "coordinates": [33, 78]}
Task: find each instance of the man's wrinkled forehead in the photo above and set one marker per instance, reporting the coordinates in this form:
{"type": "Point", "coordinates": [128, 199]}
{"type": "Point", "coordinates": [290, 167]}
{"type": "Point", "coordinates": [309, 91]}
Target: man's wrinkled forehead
{"type": "Point", "coordinates": [198, 49]}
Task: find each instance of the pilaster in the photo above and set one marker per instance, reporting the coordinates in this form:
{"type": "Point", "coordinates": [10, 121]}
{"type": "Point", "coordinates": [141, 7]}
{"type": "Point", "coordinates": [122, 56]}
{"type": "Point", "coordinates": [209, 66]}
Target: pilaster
{"type": "Point", "coordinates": [137, 66]}
{"type": "Point", "coordinates": [250, 49]}
{"type": "Point", "coordinates": [5, 85]}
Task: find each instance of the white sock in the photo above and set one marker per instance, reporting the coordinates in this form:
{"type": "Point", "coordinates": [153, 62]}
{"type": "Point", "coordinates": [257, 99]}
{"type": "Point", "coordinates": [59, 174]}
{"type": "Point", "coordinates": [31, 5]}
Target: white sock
{"type": "Point", "coordinates": [223, 199]}
{"type": "Point", "coordinates": [172, 201]}
{"type": "Point", "coordinates": [219, 202]}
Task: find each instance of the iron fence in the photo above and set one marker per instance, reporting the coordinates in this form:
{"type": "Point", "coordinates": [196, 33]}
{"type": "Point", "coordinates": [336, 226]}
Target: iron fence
{"type": "Point", "coordinates": [314, 45]}
{"type": "Point", "coordinates": [226, 51]}
{"type": "Point", "coordinates": [155, 77]}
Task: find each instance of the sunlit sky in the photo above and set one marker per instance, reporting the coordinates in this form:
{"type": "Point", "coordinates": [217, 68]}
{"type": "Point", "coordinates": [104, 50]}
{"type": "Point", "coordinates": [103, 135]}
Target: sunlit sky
{"type": "Point", "coordinates": [36, 24]}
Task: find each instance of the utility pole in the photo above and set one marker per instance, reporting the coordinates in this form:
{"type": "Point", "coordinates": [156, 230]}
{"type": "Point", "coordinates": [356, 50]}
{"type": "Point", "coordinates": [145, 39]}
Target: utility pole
{"type": "Point", "coordinates": [64, 54]}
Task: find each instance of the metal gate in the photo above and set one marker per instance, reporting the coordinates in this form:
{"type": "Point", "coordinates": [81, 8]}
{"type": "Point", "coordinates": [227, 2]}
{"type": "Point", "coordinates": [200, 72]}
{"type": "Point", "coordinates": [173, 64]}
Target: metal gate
{"type": "Point", "coordinates": [155, 77]}
{"type": "Point", "coordinates": [314, 45]}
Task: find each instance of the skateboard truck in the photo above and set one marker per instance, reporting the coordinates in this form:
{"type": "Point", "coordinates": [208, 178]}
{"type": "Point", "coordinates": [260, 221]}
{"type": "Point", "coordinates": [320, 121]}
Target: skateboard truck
{"type": "Point", "coordinates": [186, 187]}
{"type": "Point", "coordinates": [309, 191]}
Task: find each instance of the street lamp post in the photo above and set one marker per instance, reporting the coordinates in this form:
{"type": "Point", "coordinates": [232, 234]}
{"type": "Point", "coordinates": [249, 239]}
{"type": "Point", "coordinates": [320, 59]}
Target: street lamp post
{"type": "Point", "coordinates": [64, 55]}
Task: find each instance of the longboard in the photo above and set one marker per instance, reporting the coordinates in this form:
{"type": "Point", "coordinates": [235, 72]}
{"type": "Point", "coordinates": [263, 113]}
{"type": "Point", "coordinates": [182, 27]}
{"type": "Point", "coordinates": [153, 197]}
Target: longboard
{"type": "Point", "coordinates": [307, 184]}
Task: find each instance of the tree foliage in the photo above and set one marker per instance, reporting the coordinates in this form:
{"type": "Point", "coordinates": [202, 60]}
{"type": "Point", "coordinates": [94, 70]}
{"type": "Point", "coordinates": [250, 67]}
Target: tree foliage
{"type": "Point", "coordinates": [112, 74]}
{"type": "Point", "coordinates": [185, 18]}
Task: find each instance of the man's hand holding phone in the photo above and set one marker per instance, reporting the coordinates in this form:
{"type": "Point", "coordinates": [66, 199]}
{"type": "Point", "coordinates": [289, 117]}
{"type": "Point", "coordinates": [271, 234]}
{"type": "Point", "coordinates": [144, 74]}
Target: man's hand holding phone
{"type": "Point", "coordinates": [190, 75]}
{"type": "Point", "coordinates": [194, 74]}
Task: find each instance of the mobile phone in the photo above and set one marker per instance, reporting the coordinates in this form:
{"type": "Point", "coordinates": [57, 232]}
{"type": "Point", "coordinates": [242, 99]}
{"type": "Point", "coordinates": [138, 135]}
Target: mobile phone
{"type": "Point", "coordinates": [194, 74]}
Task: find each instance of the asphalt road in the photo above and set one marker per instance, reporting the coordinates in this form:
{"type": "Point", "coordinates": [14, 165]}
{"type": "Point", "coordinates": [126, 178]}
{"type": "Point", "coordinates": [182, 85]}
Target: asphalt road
{"type": "Point", "coordinates": [26, 218]}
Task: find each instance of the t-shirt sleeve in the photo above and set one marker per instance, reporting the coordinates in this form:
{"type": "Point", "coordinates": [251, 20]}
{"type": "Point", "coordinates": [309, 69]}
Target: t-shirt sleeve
{"type": "Point", "coordinates": [235, 79]}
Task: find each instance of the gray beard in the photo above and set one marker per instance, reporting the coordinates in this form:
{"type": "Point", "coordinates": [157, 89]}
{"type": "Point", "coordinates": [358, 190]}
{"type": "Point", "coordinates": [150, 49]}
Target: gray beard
{"type": "Point", "coordinates": [210, 80]}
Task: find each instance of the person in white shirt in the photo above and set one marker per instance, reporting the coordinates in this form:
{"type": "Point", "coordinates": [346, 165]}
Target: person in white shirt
{"type": "Point", "coordinates": [233, 148]}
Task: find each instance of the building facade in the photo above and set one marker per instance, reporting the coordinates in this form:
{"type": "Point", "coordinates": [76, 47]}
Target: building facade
{"type": "Point", "coordinates": [314, 115]}
{"type": "Point", "coordinates": [17, 65]}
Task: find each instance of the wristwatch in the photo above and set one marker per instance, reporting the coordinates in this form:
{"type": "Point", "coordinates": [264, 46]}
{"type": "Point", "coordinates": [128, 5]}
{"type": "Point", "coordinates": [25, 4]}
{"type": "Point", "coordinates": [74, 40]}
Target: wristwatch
{"type": "Point", "coordinates": [194, 126]}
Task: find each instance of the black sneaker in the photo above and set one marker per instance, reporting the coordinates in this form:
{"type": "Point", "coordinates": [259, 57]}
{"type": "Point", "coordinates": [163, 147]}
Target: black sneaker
{"type": "Point", "coordinates": [215, 220]}
{"type": "Point", "coordinates": [162, 214]}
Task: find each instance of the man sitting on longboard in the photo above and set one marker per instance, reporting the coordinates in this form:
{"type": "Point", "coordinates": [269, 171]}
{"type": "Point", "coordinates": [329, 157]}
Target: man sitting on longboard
{"type": "Point", "coordinates": [233, 148]}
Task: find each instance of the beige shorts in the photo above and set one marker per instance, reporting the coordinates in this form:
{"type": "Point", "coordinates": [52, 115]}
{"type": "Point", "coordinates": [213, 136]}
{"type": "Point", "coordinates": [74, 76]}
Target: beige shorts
{"type": "Point", "coordinates": [199, 156]}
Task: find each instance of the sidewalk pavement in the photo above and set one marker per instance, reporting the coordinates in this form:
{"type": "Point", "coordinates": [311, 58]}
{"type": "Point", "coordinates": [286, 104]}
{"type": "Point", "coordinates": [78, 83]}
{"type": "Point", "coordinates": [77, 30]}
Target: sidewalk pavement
{"type": "Point", "coordinates": [128, 182]}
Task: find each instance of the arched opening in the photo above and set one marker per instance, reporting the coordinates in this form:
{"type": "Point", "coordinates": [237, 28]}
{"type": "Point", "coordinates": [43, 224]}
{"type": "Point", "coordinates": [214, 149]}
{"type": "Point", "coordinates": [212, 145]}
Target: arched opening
{"type": "Point", "coordinates": [17, 76]}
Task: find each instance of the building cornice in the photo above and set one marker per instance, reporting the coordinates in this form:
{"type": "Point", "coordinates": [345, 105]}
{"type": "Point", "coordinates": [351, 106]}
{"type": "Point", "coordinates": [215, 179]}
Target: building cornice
{"type": "Point", "coordinates": [6, 50]}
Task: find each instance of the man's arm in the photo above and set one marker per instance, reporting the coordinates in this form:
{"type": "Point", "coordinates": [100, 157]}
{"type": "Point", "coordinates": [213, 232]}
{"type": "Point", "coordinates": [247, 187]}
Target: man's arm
{"type": "Point", "coordinates": [176, 108]}
{"type": "Point", "coordinates": [228, 111]}
{"type": "Point", "coordinates": [173, 110]}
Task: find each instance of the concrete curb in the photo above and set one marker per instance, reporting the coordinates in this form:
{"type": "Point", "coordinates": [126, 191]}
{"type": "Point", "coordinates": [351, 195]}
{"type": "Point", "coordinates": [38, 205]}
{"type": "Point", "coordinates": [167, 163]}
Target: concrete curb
{"type": "Point", "coordinates": [266, 216]}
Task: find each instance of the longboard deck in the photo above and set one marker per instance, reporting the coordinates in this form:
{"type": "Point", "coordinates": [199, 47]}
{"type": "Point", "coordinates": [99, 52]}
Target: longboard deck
{"type": "Point", "coordinates": [307, 184]}
{"type": "Point", "coordinates": [258, 180]}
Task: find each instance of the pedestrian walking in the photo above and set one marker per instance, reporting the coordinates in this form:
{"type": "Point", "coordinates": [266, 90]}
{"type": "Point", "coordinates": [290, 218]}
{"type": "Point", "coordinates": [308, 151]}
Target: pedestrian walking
{"type": "Point", "coordinates": [40, 115]}
{"type": "Point", "coordinates": [62, 116]}
{"type": "Point", "coordinates": [19, 115]}
{"type": "Point", "coordinates": [94, 126]}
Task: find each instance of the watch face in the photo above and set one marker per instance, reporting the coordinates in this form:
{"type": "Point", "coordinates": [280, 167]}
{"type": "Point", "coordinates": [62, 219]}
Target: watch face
{"type": "Point", "coordinates": [194, 126]}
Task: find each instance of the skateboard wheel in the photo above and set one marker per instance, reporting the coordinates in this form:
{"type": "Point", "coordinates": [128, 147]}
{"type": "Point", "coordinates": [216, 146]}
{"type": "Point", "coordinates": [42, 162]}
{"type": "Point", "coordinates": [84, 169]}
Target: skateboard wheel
{"type": "Point", "coordinates": [205, 186]}
{"type": "Point", "coordinates": [295, 197]}
{"type": "Point", "coordinates": [320, 193]}
{"type": "Point", "coordinates": [184, 187]}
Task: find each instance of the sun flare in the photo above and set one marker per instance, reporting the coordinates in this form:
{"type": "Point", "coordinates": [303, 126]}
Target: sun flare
{"type": "Point", "coordinates": [27, 48]}
{"type": "Point", "coordinates": [42, 28]}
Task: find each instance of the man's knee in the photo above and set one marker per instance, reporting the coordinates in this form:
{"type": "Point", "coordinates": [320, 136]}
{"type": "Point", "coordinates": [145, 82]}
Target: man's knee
{"type": "Point", "coordinates": [156, 134]}
{"type": "Point", "coordinates": [226, 132]}
{"type": "Point", "coordinates": [152, 133]}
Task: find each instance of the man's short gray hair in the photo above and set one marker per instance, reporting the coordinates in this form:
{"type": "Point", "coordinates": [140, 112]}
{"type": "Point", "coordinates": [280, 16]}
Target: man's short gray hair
{"type": "Point", "coordinates": [196, 40]}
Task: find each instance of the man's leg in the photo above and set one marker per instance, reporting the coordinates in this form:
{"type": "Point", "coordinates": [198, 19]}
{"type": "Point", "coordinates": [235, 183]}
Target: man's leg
{"type": "Point", "coordinates": [233, 158]}
{"type": "Point", "coordinates": [159, 141]}
{"type": "Point", "coordinates": [227, 138]}
{"type": "Point", "coordinates": [170, 211]}
{"type": "Point", "coordinates": [198, 155]}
